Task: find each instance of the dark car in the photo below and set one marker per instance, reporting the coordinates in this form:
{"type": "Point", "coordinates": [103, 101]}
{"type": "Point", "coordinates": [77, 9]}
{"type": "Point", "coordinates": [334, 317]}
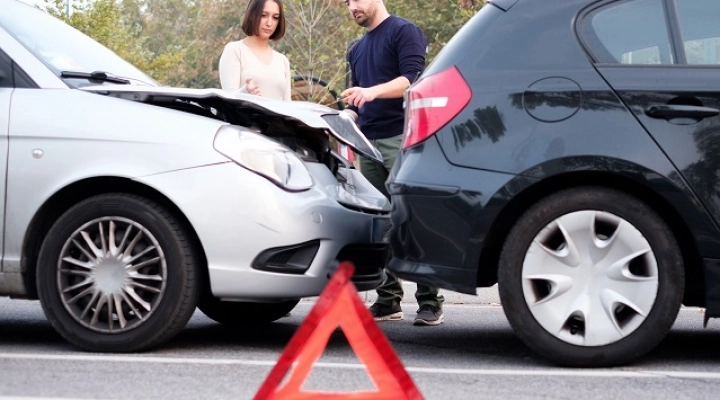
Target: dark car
{"type": "Point", "coordinates": [569, 151]}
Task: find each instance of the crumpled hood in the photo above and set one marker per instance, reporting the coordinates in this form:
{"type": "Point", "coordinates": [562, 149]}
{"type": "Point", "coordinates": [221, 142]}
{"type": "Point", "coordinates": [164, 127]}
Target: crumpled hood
{"type": "Point", "coordinates": [311, 114]}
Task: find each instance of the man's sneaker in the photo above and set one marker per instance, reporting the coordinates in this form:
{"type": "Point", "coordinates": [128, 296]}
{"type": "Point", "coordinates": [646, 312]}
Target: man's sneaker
{"type": "Point", "coordinates": [429, 315]}
{"type": "Point", "coordinates": [383, 312]}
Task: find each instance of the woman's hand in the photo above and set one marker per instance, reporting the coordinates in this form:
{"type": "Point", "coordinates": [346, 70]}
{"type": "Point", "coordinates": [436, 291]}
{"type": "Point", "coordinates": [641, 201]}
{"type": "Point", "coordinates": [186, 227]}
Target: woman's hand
{"type": "Point", "coordinates": [252, 87]}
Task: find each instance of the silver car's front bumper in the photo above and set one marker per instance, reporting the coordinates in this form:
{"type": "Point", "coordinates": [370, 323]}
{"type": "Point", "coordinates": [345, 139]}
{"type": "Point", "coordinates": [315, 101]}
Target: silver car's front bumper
{"type": "Point", "coordinates": [238, 216]}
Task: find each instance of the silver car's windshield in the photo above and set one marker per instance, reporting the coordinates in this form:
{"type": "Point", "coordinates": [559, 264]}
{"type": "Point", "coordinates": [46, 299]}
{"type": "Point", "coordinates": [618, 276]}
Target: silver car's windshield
{"type": "Point", "coordinates": [63, 48]}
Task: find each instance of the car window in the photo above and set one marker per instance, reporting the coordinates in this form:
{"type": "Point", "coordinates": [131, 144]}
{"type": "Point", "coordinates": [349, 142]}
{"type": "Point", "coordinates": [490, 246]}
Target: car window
{"type": "Point", "coordinates": [11, 75]}
{"type": "Point", "coordinates": [61, 47]}
{"type": "Point", "coordinates": [22, 80]}
{"type": "Point", "coordinates": [6, 80]}
{"type": "Point", "coordinates": [700, 30]}
{"type": "Point", "coordinates": [629, 32]}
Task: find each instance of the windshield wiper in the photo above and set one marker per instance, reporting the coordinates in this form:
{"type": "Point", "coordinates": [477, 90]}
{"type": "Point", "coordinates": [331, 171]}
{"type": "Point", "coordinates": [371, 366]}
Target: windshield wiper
{"type": "Point", "coordinates": [99, 76]}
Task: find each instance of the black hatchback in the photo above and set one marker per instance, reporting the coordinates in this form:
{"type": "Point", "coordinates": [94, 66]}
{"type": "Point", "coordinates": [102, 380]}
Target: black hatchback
{"type": "Point", "coordinates": [569, 151]}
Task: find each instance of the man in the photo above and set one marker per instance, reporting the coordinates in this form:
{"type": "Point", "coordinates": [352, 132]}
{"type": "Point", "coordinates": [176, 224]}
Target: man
{"type": "Point", "coordinates": [383, 64]}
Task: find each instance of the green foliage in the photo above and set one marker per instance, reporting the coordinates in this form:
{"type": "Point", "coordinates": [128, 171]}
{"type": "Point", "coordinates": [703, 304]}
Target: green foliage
{"type": "Point", "coordinates": [438, 19]}
{"type": "Point", "coordinates": [179, 42]}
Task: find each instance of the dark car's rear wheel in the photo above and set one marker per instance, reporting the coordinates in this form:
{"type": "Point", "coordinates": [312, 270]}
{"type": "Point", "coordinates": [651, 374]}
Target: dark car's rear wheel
{"type": "Point", "coordinates": [116, 273]}
{"type": "Point", "coordinates": [591, 277]}
{"type": "Point", "coordinates": [234, 313]}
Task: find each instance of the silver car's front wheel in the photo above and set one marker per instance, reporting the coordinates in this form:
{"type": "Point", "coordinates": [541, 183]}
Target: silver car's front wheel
{"type": "Point", "coordinates": [111, 274]}
{"type": "Point", "coordinates": [116, 272]}
{"type": "Point", "coordinates": [591, 277]}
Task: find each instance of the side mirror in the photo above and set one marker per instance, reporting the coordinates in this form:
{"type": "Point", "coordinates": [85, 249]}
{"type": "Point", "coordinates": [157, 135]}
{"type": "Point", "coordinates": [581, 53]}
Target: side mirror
{"type": "Point", "coordinates": [3, 75]}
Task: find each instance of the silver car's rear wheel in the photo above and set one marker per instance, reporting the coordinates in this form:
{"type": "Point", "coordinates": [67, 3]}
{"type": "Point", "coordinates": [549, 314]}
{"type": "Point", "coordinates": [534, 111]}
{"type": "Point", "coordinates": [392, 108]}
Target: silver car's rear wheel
{"type": "Point", "coordinates": [116, 272]}
{"type": "Point", "coordinates": [591, 276]}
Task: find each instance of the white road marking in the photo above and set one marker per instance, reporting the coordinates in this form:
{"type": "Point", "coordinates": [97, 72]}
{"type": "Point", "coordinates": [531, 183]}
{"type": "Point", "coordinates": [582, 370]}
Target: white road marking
{"type": "Point", "coordinates": [598, 373]}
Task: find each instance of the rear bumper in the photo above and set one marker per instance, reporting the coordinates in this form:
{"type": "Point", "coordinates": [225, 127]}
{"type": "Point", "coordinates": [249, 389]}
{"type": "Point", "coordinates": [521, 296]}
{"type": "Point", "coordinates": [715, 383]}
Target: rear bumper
{"type": "Point", "coordinates": [456, 279]}
{"type": "Point", "coordinates": [441, 215]}
{"type": "Point", "coordinates": [429, 240]}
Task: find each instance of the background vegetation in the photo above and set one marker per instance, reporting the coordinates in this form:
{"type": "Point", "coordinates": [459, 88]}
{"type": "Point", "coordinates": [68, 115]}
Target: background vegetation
{"type": "Point", "coordinates": [178, 42]}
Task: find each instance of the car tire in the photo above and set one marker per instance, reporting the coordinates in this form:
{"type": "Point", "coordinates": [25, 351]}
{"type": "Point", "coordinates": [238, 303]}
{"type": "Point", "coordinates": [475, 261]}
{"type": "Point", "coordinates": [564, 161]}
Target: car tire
{"type": "Point", "coordinates": [116, 273]}
{"type": "Point", "coordinates": [591, 277]}
{"type": "Point", "coordinates": [232, 313]}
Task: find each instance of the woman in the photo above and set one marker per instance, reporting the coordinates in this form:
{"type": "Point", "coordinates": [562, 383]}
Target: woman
{"type": "Point", "coordinates": [251, 65]}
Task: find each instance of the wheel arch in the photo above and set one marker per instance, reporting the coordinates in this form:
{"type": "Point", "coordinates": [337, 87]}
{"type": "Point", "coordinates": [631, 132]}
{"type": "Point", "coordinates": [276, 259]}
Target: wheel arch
{"type": "Point", "coordinates": [496, 235]}
{"type": "Point", "coordinates": [70, 195]}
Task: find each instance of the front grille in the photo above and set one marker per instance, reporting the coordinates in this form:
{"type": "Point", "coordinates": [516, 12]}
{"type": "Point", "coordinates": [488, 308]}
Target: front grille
{"type": "Point", "coordinates": [368, 259]}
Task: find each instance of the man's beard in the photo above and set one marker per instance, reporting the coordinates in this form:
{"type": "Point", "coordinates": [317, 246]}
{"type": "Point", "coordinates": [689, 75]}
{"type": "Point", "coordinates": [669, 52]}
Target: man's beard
{"type": "Point", "coordinates": [364, 20]}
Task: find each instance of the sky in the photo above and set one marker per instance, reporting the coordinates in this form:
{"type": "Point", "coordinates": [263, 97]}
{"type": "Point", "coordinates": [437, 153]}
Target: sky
{"type": "Point", "coordinates": [42, 2]}
{"type": "Point", "coordinates": [35, 2]}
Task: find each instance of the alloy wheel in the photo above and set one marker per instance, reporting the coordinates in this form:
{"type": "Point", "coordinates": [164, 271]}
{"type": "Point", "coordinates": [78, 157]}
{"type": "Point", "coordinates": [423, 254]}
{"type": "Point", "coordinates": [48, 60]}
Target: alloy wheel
{"type": "Point", "coordinates": [111, 274]}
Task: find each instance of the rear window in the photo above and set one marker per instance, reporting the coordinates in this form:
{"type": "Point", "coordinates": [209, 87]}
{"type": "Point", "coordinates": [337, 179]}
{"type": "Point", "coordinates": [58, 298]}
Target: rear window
{"type": "Point", "coordinates": [631, 32]}
{"type": "Point", "coordinates": [456, 50]}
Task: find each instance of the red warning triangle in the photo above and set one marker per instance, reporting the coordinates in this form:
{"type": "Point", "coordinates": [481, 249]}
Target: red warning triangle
{"type": "Point", "coordinates": [339, 305]}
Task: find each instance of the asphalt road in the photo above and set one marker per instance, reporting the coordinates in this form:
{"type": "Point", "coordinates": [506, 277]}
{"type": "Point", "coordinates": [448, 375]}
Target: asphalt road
{"type": "Point", "coordinates": [474, 355]}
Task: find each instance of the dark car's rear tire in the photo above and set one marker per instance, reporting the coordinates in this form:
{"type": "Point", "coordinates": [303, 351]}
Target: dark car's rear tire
{"type": "Point", "coordinates": [117, 274]}
{"type": "Point", "coordinates": [234, 313]}
{"type": "Point", "coordinates": [591, 277]}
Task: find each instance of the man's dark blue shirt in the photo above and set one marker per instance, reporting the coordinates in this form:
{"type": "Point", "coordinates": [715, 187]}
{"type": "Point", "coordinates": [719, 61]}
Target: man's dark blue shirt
{"type": "Point", "coordinates": [394, 48]}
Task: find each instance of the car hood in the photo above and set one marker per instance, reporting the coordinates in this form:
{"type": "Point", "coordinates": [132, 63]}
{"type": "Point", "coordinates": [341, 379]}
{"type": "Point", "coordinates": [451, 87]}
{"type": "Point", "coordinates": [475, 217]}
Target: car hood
{"type": "Point", "coordinates": [311, 114]}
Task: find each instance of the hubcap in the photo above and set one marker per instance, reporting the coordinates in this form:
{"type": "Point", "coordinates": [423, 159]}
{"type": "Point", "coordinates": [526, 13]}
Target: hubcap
{"type": "Point", "coordinates": [111, 274]}
{"type": "Point", "coordinates": [590, 278]}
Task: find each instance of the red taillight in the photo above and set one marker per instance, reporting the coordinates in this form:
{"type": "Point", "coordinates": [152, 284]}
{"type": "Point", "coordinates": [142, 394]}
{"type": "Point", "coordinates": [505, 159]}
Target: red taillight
{"type": "Point", "coordinates": [432, 103]}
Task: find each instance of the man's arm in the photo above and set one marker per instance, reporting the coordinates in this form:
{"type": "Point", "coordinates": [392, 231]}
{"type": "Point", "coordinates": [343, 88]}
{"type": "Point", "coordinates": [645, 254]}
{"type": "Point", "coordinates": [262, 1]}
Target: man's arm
{"type": "Point", "coordinates": [358, 96]}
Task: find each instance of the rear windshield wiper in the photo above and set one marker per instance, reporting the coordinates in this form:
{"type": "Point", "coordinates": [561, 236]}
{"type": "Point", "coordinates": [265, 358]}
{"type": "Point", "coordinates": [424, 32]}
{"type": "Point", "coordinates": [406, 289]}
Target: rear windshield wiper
{"type": "Point", "coordinates": [99, 76]}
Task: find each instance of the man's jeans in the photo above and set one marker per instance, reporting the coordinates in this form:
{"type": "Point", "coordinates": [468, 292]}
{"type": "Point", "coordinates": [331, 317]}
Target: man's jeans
{"type": "Point", "coordinates": [391, 290]}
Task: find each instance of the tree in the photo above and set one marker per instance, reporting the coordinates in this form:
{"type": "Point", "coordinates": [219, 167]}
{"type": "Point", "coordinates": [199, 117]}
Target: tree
{"type": "Point", "coordinates": [438, 19]}
{"type": "Point", "coordinates": [316, 40]}
{"type": "Point", "coordinates": [216, 22]}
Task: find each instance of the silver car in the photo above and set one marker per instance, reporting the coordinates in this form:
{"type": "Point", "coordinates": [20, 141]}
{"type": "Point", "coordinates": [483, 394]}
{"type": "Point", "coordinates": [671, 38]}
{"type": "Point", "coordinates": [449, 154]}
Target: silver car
{"type": "Point", "coordinates": [128, 204]}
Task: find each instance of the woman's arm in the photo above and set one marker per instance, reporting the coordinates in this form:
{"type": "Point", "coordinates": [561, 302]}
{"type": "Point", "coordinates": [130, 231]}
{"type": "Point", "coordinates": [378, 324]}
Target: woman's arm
{"type": "Point", "coordinates": [287, 95]}
{"type": "Point", "coordinates": [230, 68]}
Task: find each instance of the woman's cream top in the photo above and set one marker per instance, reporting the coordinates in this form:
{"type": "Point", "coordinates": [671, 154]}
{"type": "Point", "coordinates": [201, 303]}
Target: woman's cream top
{"type": "Point", "coordinates": [238, 63]}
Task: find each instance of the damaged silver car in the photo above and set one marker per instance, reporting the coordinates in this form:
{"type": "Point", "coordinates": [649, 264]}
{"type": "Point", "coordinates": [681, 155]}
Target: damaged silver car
{"type": "Point", "coordinates": [128, 205]}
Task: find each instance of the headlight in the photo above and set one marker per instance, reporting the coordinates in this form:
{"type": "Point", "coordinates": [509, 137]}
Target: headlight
{"type": "Point", "coordinates": [264, 157]}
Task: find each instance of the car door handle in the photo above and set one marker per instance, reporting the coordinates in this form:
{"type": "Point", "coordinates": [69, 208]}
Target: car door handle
{"type": "Point", "coordinates": [681, 111]}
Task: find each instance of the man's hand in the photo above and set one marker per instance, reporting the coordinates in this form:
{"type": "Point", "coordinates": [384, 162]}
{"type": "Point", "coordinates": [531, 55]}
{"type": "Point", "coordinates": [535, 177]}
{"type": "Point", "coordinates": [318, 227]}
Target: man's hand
{"type": "Point", "coordinates": [358, 96]}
